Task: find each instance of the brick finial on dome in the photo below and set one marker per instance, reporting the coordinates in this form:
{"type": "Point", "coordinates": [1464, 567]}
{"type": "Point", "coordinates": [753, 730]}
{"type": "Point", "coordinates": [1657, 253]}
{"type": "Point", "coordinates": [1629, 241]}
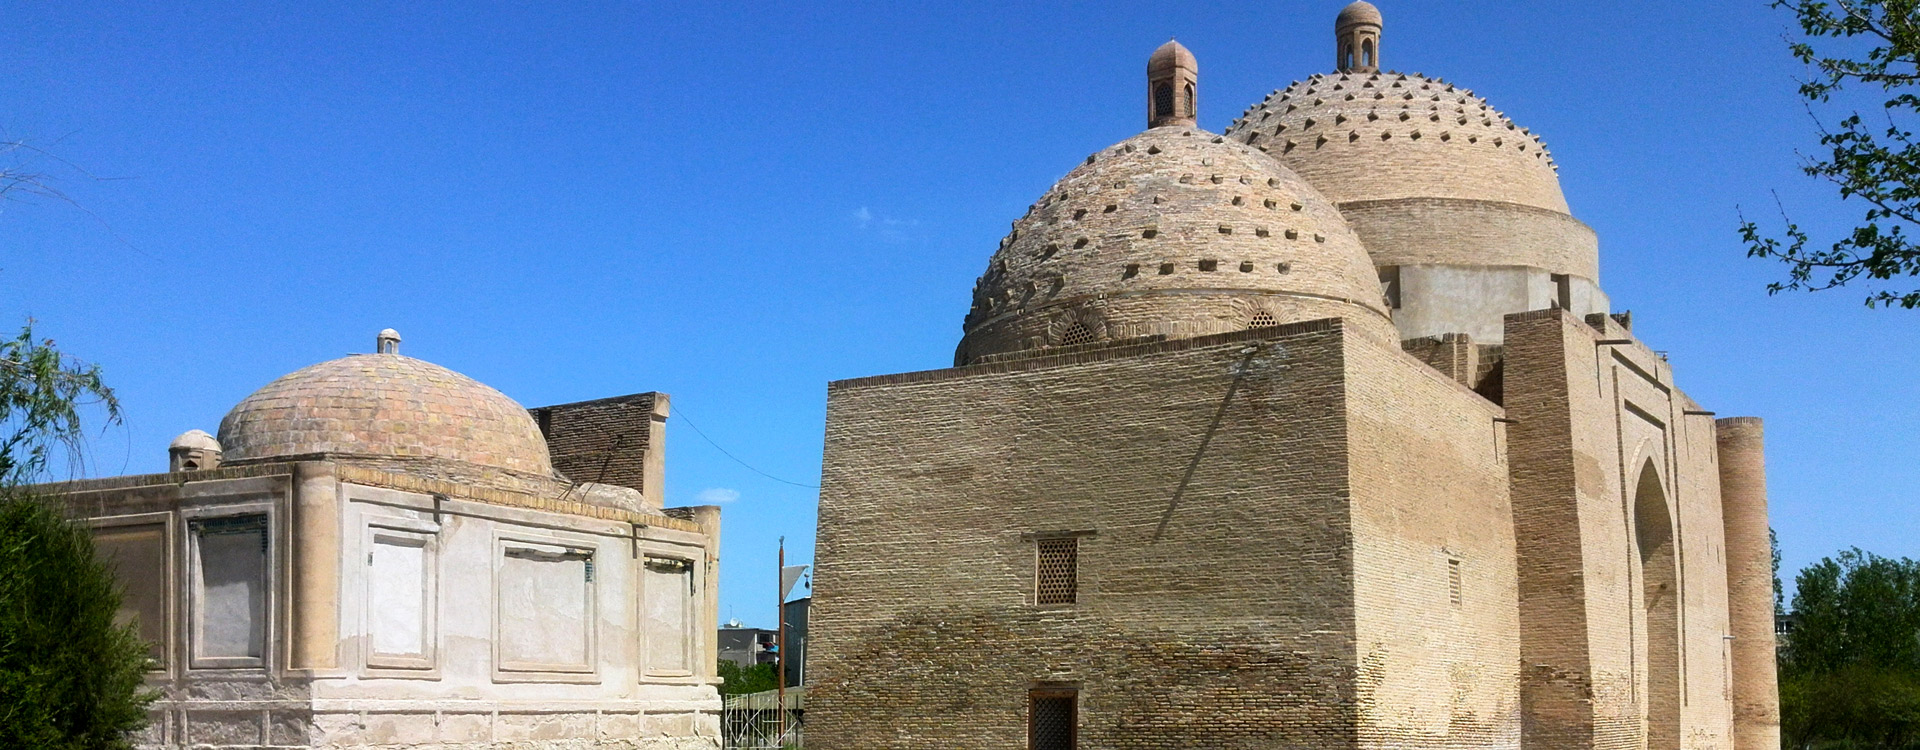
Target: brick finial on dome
{"type": "Point", "coordinates": [1173, 80]}
{"type": "Point", "coordinates": [1356, 38]}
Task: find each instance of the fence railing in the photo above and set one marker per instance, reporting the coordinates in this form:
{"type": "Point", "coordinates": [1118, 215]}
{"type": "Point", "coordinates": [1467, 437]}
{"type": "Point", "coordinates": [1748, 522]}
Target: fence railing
{"type": "Point", "coordinates": [752, 721]}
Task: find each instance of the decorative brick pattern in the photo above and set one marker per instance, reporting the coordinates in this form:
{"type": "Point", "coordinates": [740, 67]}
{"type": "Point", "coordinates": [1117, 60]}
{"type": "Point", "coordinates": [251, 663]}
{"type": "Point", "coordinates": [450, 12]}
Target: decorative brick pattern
{"type": "Point", "coordinates": [1363, 136]}
{"type": "Point", "coordinates": [1177, 232]}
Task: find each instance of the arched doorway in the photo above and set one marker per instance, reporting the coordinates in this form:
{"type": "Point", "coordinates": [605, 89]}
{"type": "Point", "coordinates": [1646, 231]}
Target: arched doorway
{"type": "Point", "coordinates": [1660, 600]}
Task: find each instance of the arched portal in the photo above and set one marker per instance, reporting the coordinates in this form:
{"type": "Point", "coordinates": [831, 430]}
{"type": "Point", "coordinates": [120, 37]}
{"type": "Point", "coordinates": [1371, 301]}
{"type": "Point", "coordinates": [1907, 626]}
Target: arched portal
{"type": "Point", "coordinates": [1660, 599]}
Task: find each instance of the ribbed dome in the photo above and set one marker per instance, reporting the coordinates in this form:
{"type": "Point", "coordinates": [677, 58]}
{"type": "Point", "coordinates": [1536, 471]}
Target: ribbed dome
{"type": "Point", "coordinates": [1359, 12]}
{"type": "Point", "coordinates": [1169, 56]}
{"type": "Point", "coordinates": [385, 405]}
{"type": "Point", "coordinates": [1178, 232]}
{"type": "Point", "coordinates": [1377, 136]}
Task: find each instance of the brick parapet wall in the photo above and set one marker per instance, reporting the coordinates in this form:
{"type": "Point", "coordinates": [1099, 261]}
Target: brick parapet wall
{"type": "Point", "coordinates": [604, 440]}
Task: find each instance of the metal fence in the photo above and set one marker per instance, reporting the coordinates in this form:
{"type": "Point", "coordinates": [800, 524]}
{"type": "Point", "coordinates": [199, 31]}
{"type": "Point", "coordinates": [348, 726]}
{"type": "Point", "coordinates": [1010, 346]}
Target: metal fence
{"type": "Point", "coordinates": [752, 721]}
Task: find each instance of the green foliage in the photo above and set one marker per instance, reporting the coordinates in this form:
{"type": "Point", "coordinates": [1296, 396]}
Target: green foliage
{"type": "Point", "coordinates": [1850, 672]}
{"type": "Point", "coordinates": [754, 679]}
{"type": "Point", "coordinates": [69, 677]}
{"type": "Point", "coordinates": [1877, 163]}
{"type": "Point", "coordinates": [41, 395]}
{"type": "Point", "coordinates": [1779, 600]}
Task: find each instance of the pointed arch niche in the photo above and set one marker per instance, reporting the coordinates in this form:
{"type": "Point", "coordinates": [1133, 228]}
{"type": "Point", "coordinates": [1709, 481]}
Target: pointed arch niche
{"type": "Point", "coordinates": [1660, 604]}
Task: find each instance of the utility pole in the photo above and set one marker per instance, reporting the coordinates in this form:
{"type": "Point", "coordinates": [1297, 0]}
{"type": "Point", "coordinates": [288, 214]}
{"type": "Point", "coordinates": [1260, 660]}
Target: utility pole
{"type": "Point", "coordinates": [780, 647]}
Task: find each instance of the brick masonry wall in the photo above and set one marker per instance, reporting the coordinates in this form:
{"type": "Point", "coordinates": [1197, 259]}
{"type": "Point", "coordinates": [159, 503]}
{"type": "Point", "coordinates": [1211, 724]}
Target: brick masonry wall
{"type": "Point", "coordinates": [605, 440]}
{"type": "Point", "coordinates": [1214, 616]}
{"type": "Point", "coordinates": [1429, 486]}
{"type": "Point", "coordinates": [1590, 417]}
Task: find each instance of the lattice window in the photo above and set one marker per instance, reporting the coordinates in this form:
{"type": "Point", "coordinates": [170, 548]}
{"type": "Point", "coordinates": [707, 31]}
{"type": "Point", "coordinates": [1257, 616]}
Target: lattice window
{"type": "Point", "coordinates": [1453, 580]}
{"type": "Point", "coordinates": [1052, 720]}
{"type": "Point", "coordinates": [1058, 579]}
{"type": "Point", "coordinates": [1077, 334]}
{"type": "Point", "coordinates": [1262, 319]}
{"type": "Point", "coordinates": [1163, 100]}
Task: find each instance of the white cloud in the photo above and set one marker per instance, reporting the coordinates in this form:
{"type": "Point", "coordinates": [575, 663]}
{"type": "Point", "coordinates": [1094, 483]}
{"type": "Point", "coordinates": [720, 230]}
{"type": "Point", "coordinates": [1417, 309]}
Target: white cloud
{"type": "Point", "coordinates": [717, 496]}
{"type": "Point", "coordinates": [863, 216]}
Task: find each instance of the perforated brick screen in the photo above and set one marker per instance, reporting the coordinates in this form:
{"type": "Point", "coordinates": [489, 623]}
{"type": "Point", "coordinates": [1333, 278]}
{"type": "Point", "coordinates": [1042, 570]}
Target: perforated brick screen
{"type": "Point", "coordinates": [1058, 575]}
{"type": "Point", "coordinates": [1051, 720]}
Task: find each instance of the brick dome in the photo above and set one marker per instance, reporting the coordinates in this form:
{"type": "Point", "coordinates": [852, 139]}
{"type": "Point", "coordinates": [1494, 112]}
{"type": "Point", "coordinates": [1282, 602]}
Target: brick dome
{"type": "Point", "coordinates": [386, 406]}
{"type": "Point", "coordinates": [1360, 136]}
{"type": "Point", "coordinates": [1176, 232]}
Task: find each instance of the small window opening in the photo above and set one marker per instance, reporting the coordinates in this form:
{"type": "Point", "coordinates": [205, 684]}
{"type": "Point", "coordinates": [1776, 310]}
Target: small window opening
{"type": "Point", "coordinates": [1246, 266]}
{"type": "Point", "coordinates": [1163, 100]}
{"type": "Point", "coordinates": [1132, 270]}
{"type": "Point", "coordinates": [1563, 291]}
{"type": "Point", "coordinates": [1057, 563]}
{"type": "Point", "coordinates": [1366, 53]}
{"type": "Point", "coordinates": [1209, 265]}
{"type": "Point", "coordinates": [1150, 233]}
{"type": "Point", "coordinates": [1453, 580]}
{"type": "Point", "coordinates": [1166, 268]}
{"type": "Point", "coordinates": [1052, 719]}
{"type": "Point", "coordinates": [1390, 285]}
{"type": "Point", "coordinates": [1190, 109]}
{"type": "Point", "coordinates": [1262, 319]}
{"type": "Point", "coordinates": [1077, 334]}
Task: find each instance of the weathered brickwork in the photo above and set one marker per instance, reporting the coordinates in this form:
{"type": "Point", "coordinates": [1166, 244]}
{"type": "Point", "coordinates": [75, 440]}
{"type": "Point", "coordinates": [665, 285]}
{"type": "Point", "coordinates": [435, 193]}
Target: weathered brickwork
{"type": "Point", "coordinates": [1743, 493]}
{"type": "Point", "coordinates": [1596, 414]}
{"type": "Point", "coordinates": [1218, 608]}
{"type": "Point", "coordinates": [1434, 586]}
{"type": "Point", "coordinates": [606, 441]}
{"type": "Point", "coordinates": [1215, 592]}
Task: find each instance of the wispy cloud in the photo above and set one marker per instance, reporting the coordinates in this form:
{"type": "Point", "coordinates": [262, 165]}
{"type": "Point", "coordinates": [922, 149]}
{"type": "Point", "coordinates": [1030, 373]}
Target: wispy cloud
{"type": "Point", "coordinates": [717, 496]}
{"type": "Point", "coordinates": [885, 227]}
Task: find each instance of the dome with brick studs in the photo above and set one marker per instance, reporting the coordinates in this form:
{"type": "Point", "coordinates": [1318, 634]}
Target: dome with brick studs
{"type": "Point", "coordinates": [1362, 136]}
{"type": "Point", "coordinates": [385, 405]}
{"type": "Point", "coordinates": [1174, 232]}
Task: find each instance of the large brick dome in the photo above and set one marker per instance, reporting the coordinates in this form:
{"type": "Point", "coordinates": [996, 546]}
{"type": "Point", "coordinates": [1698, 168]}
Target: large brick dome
{"type": "Point", "coordinates": [385, 406]}
{"type": "Point", "coordinates": [1372, 136]}
{"type": "Point", "coordinates": [1176, 232]}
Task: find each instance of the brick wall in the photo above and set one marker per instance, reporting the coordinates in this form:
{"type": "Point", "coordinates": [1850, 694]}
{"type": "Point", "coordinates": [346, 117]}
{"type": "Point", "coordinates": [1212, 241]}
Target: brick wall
{"type": "Point", "coordinates": [610, 440]}
{"type": "Point", "coordinates": [1438, 664]}
{"type": "Point", "coordinates": [1216, 597]}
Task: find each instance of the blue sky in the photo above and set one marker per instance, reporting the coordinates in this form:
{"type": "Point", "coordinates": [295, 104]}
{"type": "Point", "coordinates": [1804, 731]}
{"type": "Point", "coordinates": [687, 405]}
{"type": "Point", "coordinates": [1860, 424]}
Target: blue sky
{"type": "Point", "coordinates": [738, 203]}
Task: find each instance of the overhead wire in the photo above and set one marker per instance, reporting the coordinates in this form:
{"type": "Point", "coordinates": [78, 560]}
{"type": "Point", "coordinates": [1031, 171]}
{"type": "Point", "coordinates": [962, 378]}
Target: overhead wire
{"type": "Point", "coordinates": [682, 414]}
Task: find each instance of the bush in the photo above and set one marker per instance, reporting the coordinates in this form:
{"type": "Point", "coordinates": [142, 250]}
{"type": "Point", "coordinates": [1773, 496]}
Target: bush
{"type": "Point", "coordinates": [69, 676]}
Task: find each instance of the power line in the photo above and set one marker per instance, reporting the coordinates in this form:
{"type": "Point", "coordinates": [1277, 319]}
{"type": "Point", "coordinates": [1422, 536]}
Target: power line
{"type": "Point", "coordinates": [682, 414]}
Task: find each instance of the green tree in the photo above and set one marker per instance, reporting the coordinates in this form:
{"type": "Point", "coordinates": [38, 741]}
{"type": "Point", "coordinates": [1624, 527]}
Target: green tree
{"type": "Point", "coordinates": [1875, 161]}
{"type": "Point", "coordinates": [1850, 674]}
{"type": "Point", "coordinates": [735, 680]}
{"type": "Point", "coordinates": [69, 676]}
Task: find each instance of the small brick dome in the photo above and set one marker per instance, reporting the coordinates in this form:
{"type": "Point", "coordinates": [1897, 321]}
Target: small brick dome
{"type": "Point", "coordinates": [1176, 232]}
{"type": "Point", "coordinates": [386, 406]}
{"type": "Point", "coordinates": [1363, 136]}
{"type": "Point", "coordinates": [1359, 12]}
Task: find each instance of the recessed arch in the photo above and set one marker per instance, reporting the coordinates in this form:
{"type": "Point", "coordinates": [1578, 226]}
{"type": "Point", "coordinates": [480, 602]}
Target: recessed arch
{"type": "Point", "coordinates": [1660, 603]}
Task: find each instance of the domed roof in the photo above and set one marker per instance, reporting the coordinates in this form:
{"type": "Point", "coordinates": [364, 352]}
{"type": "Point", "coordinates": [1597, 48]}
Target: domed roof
{"type": "Point", "coordinates": [1362, 136]}
{"type": "Point", "coordinates": [1169, 56]}
{"type": "Point", "coordinates": [194, 440]}
{"type": "Point", "coordinates": [1174, 231]}
{"type": "Point", "coordinates": [385, 405]}
{"type": "Point", "coordinates": [1359, 12]}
